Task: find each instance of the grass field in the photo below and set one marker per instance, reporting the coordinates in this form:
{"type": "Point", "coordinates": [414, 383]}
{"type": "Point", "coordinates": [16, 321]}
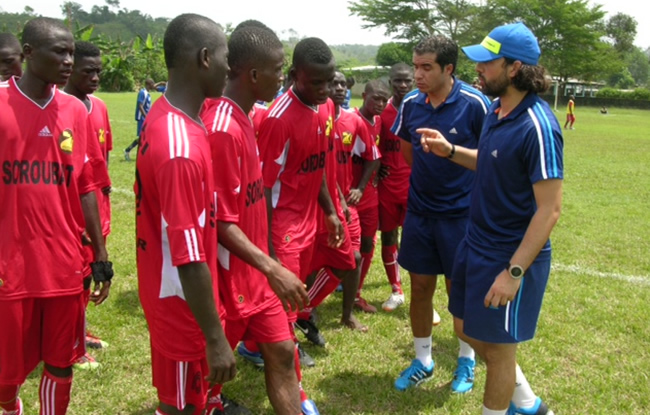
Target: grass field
{"type": "Point", "coordinates": [590, 355]}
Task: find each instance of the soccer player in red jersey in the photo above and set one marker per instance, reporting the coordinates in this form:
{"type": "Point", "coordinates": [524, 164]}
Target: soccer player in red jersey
{"type": "Point", "coordinates": [393, 183]}
{"type": "Point", "coordinates": [294, 140]}
{"type": "Point", "coordinates": [11, 57]}
{"type": "Point", "coordinates": [83, 81]}
{"type": "Point", "coordinates": [175, 223]}
{"type": "Point", "coordinates": [46, 178]}
{"type": "Point", "coordinates": [253, 286]}
{"type": "Point", "coordinates": [363, 193]}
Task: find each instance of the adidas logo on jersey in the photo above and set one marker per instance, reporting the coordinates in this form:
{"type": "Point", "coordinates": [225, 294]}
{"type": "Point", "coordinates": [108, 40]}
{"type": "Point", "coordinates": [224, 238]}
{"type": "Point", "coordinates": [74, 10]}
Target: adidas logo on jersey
{"type": "Point", "coordinates": [453, 131]}
{"type": "Point", "coordinates": [494, 153]}
{"type": "Point", "coordinates": [45, 132]}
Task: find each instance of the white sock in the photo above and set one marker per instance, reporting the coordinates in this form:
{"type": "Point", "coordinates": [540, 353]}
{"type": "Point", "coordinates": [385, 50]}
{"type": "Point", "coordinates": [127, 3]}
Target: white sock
{"type": "Point", "coordinates": [523, 397]}
{"type": "Point", "coordinates": [423, 350]}
{"type": "Point", "coordinates": [493, 411]}
{"type": "Point", "coordinates": [466, 350]}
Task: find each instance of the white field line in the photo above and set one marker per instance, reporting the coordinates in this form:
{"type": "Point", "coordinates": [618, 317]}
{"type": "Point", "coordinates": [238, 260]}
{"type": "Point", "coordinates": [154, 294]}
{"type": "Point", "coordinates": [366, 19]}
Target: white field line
{"type": "Point", "coordinates": [574, 269]}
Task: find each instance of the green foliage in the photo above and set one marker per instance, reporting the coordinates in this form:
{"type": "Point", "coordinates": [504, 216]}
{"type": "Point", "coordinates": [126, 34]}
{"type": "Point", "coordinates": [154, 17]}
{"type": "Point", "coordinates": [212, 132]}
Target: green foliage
{"type": "Point", "coordinates": [639, 66]}
{"type": "Point", "coordinates": [614, 93]}
{"type": "Point", "coordinates": [641, 93]}
{"type": "Point", "coordinates": [391, 53]}
{"type": "Point", "coordinates": [621, 29]}
{"type": "Point", "coordinates": [414, 19]}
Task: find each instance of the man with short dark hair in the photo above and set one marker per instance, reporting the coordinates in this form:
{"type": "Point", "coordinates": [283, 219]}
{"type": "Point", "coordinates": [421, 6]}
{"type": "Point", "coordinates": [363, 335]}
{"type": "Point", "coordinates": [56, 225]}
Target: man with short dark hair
{"type": "Point", "coordinates": [83, 82]}
{"type": "Point", "coordinates": [363, 193]}
{"type": "Point", "coordinates": [294, 140]}
{"type": "Point", "coordinates": [503, 263]}
{"type": "Point", "coordinates": [393, 184]}
{"type": "Point", "coordinates": [438, 199]}
{"type": "Point", "coordinates": [175, 227]}
{"type": "Point", "coordinates": [253, 286]}
{"type": "Point", "coordinates": [11, 57]}
{"type": "Point", "coordinates": [48, 178]}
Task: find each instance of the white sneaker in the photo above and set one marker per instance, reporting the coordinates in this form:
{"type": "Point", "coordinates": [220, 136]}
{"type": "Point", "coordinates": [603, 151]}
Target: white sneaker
{"type": "Point", "coordinates": [395, 300]}
{"type": "Point", "coordinates": [436, 318]}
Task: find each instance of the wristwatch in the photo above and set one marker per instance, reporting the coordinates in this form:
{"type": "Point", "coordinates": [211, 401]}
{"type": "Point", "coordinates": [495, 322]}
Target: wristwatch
{"type": "Point", "coordinates": [515, 271]}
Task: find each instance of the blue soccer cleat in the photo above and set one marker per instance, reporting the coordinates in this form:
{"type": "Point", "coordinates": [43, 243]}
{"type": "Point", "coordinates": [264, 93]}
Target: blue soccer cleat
{"type": "Point", "coordinates": [463, 376]}
{"type": "Point", "coordinates": [414, 375]}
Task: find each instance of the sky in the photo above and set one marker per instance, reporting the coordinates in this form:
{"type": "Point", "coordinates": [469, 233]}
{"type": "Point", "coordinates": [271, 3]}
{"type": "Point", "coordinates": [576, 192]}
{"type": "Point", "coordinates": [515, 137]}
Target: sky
{"type": "Point", "coordinates": [332, 23]}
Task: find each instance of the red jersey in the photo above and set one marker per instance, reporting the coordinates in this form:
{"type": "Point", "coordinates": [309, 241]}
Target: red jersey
{"type": "Point", "coordinates": [244, 290]}
{"type": "Point", "coordinates": [348, 130]}
{"type": "Point", "coordinates": [367, 152]}
{"type": "Point", "coordinates": [257, 114]}
{"type": "Point", "coordinates": [43, 152]}
{"type": "Point", "coordinates": [293, 141]}
{"type": "Point", "coordinates": [395, 187]}
{"type": "Point", "coordinates": [98, 118]}
{"type": "Point", "coordinates": [175, 211]}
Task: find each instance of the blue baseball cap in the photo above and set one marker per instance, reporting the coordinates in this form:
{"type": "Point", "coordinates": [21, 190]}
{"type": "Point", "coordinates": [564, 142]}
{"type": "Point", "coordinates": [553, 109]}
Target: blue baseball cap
{"type": "Point", "coordinates": [514, 41]}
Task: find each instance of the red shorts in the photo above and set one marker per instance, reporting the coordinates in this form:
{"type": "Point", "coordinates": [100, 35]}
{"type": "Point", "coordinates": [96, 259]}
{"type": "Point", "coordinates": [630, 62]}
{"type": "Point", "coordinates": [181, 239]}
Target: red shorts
{"type": "Point", "coordinates": [571, 117]}
{"type": "Point", "coordinates": [180, 383]}
{"type": "Point", "coordinates": [268, 326]}
{"type": "Point", "coordinates": [355, 229]}
{"type": "Point", "coordinates": [341, 258]}
{"type": "Point", "coordinates": [391, 215]}
{"type": "Point", "coordinates": [369, 220]}
{"type": "Point", "coordinates": [298, 262]}
{"type": "Point", "coordinates": [39, 329]}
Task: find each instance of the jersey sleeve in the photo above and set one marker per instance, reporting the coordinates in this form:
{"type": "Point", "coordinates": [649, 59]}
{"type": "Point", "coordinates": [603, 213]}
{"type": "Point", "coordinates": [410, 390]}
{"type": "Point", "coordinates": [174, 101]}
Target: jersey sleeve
{"type": "Point", "coordinates": [88, 148]}
{"type": "Point", "coordinates": [364, 145]}
{"type": "Point", "coordinates": [399, 128]}
{"type": "Point", "coordinates": [274, 148]}
{"type": "Point", "coordinates": [109, 134]}
{"type": "Point", "coordinates": [182, 205]}
{"type": "Point", "coordinates": [543, 147]}
{"type": "Point", "coordinates": [226, 160]}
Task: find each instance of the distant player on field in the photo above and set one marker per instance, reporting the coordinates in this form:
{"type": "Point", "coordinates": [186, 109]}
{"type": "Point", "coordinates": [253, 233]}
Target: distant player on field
{"type": "Point", "coordinates": [439, 192]}
{"type": "Point", "coordinates": [570, 113]}
{"type": "Point", "coordinates": [393, 184]}
{"type": "Point", "coordinates": [11, 57]}
{"type": "Point", "coordinates": [142, 107]}
{"type": "Point", "coordinates": [176, 233]}
{"type": "Point", "coordinates": [363, 193]}
{"type": "Point", "coordinates": [46, 181]}
{"type": "Point", "coordinates": [83, 82]}
{"type": "Point", "coordinates": [253, 286]}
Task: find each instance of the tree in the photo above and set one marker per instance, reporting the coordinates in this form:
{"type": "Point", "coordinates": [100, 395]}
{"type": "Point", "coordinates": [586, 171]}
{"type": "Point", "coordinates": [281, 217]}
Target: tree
{"type": "Point", "coordinates": [638, 65]}
{"type": "Point", "coordinates": [414, 19]}
{"type": "Point", "coordinates": [391, 53]}
{"type": "Point", "coordinates": [621, 29]}
{"type": "Point", "coordinates": [569, 34]}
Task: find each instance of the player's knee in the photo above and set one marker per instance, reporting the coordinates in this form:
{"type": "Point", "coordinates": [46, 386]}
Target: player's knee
{"type": "Point", "coordinates": [357, 258]}
{"type": "Point", "coordinates": [279, 356]}
{"type": "Point", "coordinates": [389, 238]}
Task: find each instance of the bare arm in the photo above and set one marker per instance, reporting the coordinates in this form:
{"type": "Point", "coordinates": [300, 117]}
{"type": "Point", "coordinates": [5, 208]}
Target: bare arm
{"type": "Point", "coordinates": [94, 230]}
{"type": "Point", "coordinates": [433, 141]}
{"type": "Point", "coordinates": [548, 196]}
{"type": "Point", "coordinates": [286, 285]}
{"type": "Point", "coordinates": [369, 168]}
{"type": "Point", "coordinates": [406, 149]}
{"type": "Point", "coordinates": [196, 281]}
{"type": "Point", "coordinates": [332, 222]}
{"type": "Point", "coordinates": [269, 216]}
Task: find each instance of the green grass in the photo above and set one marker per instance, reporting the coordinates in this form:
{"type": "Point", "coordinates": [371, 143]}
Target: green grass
{"type": "Point", "coordinates": [590, 355]}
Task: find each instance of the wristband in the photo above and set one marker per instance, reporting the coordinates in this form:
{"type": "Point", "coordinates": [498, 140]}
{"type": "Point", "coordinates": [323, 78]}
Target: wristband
{"type": "Point", "coordinates": [453, 151]}
{"type": "Point", "coordinates": [102, 271]}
